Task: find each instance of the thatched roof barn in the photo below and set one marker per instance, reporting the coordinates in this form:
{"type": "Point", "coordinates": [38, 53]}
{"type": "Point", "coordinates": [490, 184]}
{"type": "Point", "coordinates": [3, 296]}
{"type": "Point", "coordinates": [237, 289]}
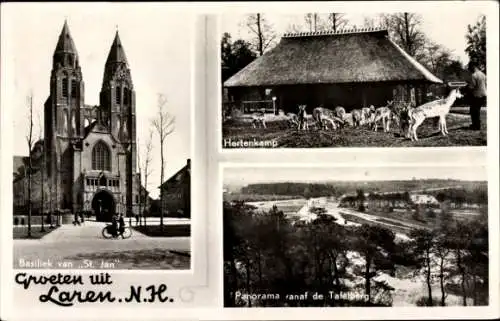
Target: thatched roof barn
{"type": "Point", "coordinates": [349, 68]}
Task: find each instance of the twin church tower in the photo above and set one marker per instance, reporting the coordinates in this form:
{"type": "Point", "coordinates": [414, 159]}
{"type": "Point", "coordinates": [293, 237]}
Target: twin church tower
{"type": "Point", "coordinates": [91, 150]}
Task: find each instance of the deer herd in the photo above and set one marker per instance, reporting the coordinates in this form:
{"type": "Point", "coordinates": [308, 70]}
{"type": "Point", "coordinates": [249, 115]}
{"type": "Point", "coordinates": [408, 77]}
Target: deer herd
{"type": "Point", "coordinates": [328, 119]}
{"type": "Point", "coordinates": [407, 118]}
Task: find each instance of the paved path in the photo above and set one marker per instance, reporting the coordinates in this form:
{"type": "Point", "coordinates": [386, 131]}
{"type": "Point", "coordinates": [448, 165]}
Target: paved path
{"type": "Point", "coordinates": [74, 244]}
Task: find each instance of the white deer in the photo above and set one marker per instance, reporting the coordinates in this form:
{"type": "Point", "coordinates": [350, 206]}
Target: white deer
{"type": "Point", "coordinates": [437, 108]}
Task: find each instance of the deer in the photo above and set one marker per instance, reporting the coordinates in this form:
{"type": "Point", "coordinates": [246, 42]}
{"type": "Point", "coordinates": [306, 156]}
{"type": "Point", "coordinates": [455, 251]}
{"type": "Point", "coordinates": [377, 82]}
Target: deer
{"type": "Point", "coordinates": [340, 112]}
{"type": "Point", "coordinates": [302, 116]}
{"type": "Point", "coordinates": [258, 119]}
{"type": "Point", "coordinates": [437, 108]}
{"type": "Point", "coordinates": [324, 116]}
{"type": "Point", "coordinates": [387, 116]}
{"type": "Point", "coordinates": [292, 119]}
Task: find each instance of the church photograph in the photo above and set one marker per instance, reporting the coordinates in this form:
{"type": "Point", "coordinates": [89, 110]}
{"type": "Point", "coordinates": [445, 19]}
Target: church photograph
{"type": "Point", "coordinates": [101, 114]}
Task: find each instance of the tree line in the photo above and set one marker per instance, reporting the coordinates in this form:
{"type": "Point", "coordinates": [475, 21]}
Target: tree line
{"type": "Point", "coordinates": [271, 254]}
{"type": "Point", "coordinates": [473, 192]}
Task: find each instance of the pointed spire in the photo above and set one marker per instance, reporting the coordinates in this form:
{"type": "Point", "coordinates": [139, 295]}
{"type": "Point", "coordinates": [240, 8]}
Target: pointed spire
{"type": "Point", "coordinates": [65, 42]}
{"type": "Point", "coordinates": [116, 53]}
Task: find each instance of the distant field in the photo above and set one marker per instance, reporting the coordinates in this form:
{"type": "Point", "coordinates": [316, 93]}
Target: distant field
{"type": "Point", "coordinates": [229, 197]}
{"type": "Point", "coordinates": [396, 228]}
{"type": "Point", "coordinates": [277, 131]}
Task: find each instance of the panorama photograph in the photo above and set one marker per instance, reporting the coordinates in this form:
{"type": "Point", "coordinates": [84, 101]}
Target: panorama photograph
{"type": "Point", "coordinates": [354, 80]}
{"type": "Point", "coordinates": [355, 236]}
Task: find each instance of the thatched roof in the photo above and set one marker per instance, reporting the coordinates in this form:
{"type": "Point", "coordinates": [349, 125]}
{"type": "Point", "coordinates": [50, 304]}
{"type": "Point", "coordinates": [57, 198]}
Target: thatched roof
{"type": "Point", "coordinates": [366, 55]}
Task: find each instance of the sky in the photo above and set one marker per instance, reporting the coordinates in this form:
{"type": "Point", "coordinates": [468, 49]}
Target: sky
{"type": "Point", "coordinates": [157, 43]}
{"type": "Point", "coordinates": [446, 27]}
{"type": "Point", "coordinates": [241, 176]}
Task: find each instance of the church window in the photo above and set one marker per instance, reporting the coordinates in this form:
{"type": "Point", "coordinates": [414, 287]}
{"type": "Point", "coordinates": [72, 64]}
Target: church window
{"type": "Point", "coordinates": [65, 87]}
{"type": "Point", "coordinates": [125, 96]}
{"type": "Point", "coordinates": [101, 157]}
{"type": "Point", "coordinates": [73, 89]}
{"type": "Point", "coordinates": [88, 181]}
{"type": "Point", "coordinates": [118, 95]}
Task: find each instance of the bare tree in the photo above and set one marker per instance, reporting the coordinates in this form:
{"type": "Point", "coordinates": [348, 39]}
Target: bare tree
{"type": "Point", "coordinates": [264, 35]}
{"type": "Point", "coordinates": [144, 173]}
{"type": "Point", "coordinates": [29, 140]}
{"type": "Point", "coordinates": [337, 21]}
{"type": "Point", "coordinates": [405, 29]}
{"type": "Point", "coordinates": [164, 126]}
{"type": "Point", "coordinates": [147, 168]}
{"type": "Point", "coordinates": [312, 20]}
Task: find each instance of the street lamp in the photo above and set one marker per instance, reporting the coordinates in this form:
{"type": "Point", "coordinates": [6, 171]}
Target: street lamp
{"type": "Point", "coordinates": [274, 104]}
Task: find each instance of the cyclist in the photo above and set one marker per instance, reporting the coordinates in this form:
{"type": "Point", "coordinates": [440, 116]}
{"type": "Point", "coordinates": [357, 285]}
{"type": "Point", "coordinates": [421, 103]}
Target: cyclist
{"type": "Point", "coordinates": [114, 226]}
{"type": "Point", "coordinates": [121, 223]}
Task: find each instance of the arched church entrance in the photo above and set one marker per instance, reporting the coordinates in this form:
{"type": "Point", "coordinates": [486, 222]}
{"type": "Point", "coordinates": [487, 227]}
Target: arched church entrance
{"type": "Point", "coordinates": [104, 206]}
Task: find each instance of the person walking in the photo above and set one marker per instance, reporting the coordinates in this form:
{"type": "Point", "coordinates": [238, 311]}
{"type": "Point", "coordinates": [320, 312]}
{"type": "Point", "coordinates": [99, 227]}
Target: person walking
{"type": "Point", "coordinates": [477, 87]}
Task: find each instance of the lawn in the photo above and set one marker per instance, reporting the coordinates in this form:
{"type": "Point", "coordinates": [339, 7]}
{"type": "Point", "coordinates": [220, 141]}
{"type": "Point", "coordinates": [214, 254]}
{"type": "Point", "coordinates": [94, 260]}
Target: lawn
{"type": "Point", "coordinates": [21, 232]}
{"type": "Point", "coordinates": [459, 135]}
{"type": "Point", "coordinates": [168, 230]}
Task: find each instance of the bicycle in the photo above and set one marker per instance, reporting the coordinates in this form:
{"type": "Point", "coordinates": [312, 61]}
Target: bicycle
{"type": "Point", "coordinates": [108, 229]}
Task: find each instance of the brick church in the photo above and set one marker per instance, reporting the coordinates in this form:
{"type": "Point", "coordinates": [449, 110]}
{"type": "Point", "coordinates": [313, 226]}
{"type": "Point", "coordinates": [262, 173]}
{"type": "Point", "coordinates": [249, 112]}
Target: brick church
{"type": "Point", "coordinates": [91, 150]}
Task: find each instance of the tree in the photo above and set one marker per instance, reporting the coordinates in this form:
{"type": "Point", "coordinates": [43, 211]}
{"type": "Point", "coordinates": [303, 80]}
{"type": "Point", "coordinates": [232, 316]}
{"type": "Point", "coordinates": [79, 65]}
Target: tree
{"type": "Point", "coordinates": [423, 244]}
{"type": "Point", "coordinates": [442, 252]}
{"type": "Point", "coordinates": [337, 21]}
{"type": "Point", "coordinates": [147, 172]}
{"type": "Point", "coordinates": [312, 21]}
{"type": "Point", "coordinates": [164, 126]}
{"type": "Point", "coordinates": [376, 245]}
{"type": "Point", "coordinates": [29, 141]}
{"type": "Point", "coordinates": [234, 56]}
{"type": "Point", "coordinates": [405, 29]}
{"type": "Point", "coordinates": [476, 42]}
{"type": "Point", "coordinates": [360, 197]}
{"type": "Point", "coordinates": [264, 35]}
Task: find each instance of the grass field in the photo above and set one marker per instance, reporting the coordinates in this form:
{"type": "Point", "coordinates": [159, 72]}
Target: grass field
{"type": "Point", "coordinates": [21, 232]}
{"type": "Point", "coordinates": [457, 122]}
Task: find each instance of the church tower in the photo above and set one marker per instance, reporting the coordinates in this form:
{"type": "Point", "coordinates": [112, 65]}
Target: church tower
{"type": "Point", "coordinates": [62, 116]}
{"type": "Point", "coordinates": [117, 103]}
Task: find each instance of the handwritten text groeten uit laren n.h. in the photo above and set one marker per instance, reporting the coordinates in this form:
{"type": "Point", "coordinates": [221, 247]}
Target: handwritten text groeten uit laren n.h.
{"type": "Point", "coordinates": [67, 298]}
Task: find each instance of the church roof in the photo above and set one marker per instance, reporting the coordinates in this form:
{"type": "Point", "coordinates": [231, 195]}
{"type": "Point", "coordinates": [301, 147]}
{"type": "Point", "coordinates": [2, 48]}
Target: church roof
{"type": "Point", "coordinates": [116, 53]}
{"type": "Point", "coordinates": [65, 42]}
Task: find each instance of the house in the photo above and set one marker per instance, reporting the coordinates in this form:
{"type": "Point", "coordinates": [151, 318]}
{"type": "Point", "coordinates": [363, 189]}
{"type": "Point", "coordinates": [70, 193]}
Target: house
{"type": "Point", "coordinates": [423, 199]}
{"type": "Point", "coordinates": [177, 193]}
{"type": "Point", "coordinates": [350, 68]}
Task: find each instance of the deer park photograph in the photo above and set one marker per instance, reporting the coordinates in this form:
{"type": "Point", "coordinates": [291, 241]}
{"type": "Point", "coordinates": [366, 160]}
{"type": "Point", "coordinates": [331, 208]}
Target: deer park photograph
{"type": "Point", "coordinates": [354, 80]}
{"type": "Point", "coordinates": [101, 164]}
{"type": "Point", "coordinates": [355, 237]}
